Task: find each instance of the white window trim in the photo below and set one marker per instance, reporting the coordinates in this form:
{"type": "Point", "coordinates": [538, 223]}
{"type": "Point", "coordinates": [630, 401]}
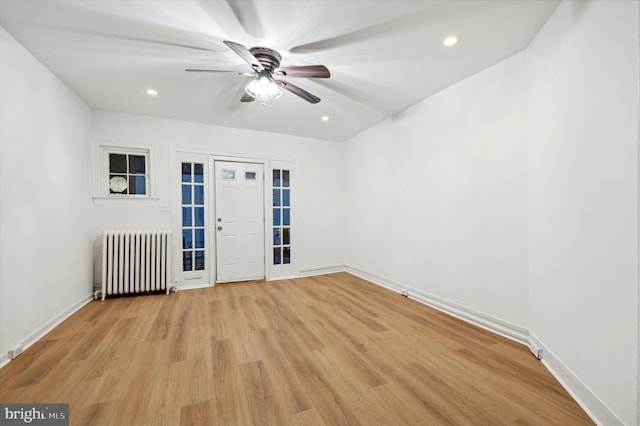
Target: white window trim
{"type": "Point", "coordinates": [102, 181]}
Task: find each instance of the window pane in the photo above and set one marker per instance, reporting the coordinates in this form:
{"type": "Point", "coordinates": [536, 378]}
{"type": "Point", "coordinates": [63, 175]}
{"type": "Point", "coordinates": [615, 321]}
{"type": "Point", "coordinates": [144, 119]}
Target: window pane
{"type": "Point", "coordinates": [286, 255]}
{"type": "Point", "coordinates": [228, 174]}
{"type": "Point", "coordinates": [199, 238]}
{"type": "Point", "coordinates": [276, 178]}
{"type": "Point", "coordinates": [137, 185]}
{"type": "Point", "coordinates": [117, 163]}
{"type": "Point", "coordinates": [186, 216]}
{"type": "Point", "coordinates": [187, 264]}
{"type": "Point", "coordinates": [199, 260]}
{"type": "Point", "coordinates": [276, 197]}
{"type": "Point", "coordinates": [141, 187]}
{"type": "Point", "coordinates": [276, 256]}
{"type": "Point", "coordinates": [276, 236]}
{"type": "Point", "coordinates": [137, 164]}
{"type": "Point", "coordinates": [198, 195]}
{"type": "Point", "coordinates": [285, 178]}
{"type": "Point", "coordinates": [186, 194]}
{"type": "Point", "coordinates": [199, 216]}
{"type": "Point", "coordinates": [286, 220]}
{"type": "Point", "coordinates": [276, 217]}
{"type": "Point", "coordinates": [198, 173]}
{"type": "Point", "coordinates": [186, 172]}
{"type": "Point", "coordinates": [285, 236]}
{"type": "Point", "coordinates": [249, 175]}
{"type": "Point", "coordinates": [187, 241]}
{"type": "Point", "coordinates": [118, 184]}
{"type": "Point", "coordinates": [285, 197]}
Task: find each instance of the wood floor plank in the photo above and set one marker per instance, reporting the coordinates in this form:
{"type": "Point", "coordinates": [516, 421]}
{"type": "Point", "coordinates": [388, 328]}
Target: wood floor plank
{"type": "Point", "coordinates": [305, 418]}
{"type": "Point", "coordinates": [293, 395]}
{"type": "Point", "coordinates": [324, 350]}
{"type": "Point", "coordinates": [265, 405]}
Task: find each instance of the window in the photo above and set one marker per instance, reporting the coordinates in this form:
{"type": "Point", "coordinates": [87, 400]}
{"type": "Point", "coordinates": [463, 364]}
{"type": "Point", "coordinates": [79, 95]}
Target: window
{"type": "Point", "coordinates": [193, 217]}
{"type": "Point", "coordinates": [281, 188]}
{"type": "Point", "coordinates": [127, 173]}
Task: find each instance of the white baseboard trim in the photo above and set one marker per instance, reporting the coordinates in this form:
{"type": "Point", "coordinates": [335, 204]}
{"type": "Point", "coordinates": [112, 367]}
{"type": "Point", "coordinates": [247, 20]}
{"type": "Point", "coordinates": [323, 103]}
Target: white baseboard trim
{"type": "Point", "coordinates": [323, 270]}
{"type": "Point", "coordinates": [488, 322]}
{"type": "Point", "coordinates": [480, 319]}
{"type": "Point", "coordinates": [283, 277]}
{"type": "Point", "coordinates": [47, 327]}
{"type": "Point", "coordinates": [192, 287]}
{"type": "Point", "coordinates": [385, 282]}
{"type": "Point", "coordinates": [589, 402]}
{"type": "Point", "coordinates": [535, 346]}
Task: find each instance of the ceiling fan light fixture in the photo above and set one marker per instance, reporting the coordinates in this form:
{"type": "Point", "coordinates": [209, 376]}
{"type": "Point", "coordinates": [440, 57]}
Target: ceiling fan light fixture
{"type": "Point", "coordinates": [263, 89]}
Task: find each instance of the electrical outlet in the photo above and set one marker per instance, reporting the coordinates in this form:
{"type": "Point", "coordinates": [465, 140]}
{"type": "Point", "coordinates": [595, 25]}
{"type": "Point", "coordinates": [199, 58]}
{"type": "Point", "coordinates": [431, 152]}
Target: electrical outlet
{"type": "Point", "coordinates": [15, 351]}
{"type": "Point", "coordinates": [164, 207]}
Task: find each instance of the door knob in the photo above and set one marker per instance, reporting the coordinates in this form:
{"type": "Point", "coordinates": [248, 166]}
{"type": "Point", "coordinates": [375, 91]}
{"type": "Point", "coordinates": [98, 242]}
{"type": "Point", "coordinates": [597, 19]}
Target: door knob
{"type": "Point", "coordinates": [219, 228]}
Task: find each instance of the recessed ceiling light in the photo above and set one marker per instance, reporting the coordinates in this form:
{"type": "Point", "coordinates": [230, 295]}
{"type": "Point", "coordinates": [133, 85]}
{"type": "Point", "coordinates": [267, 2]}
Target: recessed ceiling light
{"type": "Point", "coordinates": [151, 92]}
{"type": "Point", "coordinates": [450, 41]}
{"type": "Point", "coordinates": [325, 118]}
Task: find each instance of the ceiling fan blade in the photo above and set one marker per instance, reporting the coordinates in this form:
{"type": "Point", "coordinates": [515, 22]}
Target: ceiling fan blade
{"type": "Point", "coordinates": [247, 16]}
{"type": "Point", "coordinates": [424, 12]}
{"type": "Point", "coordinates": [298, 91]}
{"type": "Point", "coordinates": [244, 53]}
{"type": "Point", "coordinates": [247, 98]}
{"type": "Point", "coordinates": [247, 74]}
{"type": "Point", "coordinates": [307, 71]}
{"type": "Point", "coordinates": [151, 41]}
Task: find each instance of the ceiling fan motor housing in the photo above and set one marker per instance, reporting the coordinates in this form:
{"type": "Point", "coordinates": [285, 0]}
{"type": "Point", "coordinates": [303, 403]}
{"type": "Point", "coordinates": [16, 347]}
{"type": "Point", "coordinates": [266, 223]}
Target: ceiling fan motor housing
{"type": "Point", "coordinates": [269, 58]}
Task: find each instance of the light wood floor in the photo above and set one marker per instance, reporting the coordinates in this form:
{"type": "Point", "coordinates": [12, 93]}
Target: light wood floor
{"type": "Point", "coordinates": [327, 350]}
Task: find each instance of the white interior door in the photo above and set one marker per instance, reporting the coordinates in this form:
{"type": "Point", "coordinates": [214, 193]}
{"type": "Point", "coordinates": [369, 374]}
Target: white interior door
{"type": "Point", "coordinates": [239, 221]}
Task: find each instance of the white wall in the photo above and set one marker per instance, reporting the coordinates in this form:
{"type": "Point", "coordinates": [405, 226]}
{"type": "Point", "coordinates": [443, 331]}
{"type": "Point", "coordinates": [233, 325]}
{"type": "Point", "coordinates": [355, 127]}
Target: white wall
{"type": "Point", "coordinates": [514, 195]}
{"type": "Point", "coordinates": [317, 201]}
{"type": "Point", "coordinates": [45, 201]}
{"type": "Point", "coordinates": [436, 196]}
{"type": "Point", "coordinates": [583, 206]}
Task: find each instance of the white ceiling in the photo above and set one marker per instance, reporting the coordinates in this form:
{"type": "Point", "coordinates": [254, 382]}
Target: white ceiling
{"type": "Point", "coordinates": [384, 55]}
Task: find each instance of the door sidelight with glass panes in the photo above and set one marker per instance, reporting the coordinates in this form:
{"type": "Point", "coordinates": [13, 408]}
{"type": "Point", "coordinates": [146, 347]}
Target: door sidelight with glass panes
{"type": "Point", "coordinates": [281, 187]}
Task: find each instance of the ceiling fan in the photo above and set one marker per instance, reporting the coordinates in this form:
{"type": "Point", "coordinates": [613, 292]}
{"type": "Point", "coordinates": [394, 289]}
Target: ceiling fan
{"type": "Point", "coordinates": [268, 75]}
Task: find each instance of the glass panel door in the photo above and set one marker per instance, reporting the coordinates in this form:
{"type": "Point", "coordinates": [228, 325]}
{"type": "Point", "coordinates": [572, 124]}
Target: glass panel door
{"type": "Point", "coordinates": [193, 217]}
{"type": "Point", "coordinates": [281, 188]}
{"type": "Point", "coordinates": [193, 221]}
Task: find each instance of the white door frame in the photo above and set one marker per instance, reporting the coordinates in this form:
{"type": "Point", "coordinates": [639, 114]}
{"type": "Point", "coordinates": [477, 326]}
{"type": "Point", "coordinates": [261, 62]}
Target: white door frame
{"type": "Point", "coordinates": [204, 278]}
{"type": "Point", "coordinates": [211, 216]}
{"type": "Point", "coordinates": [282, 271]}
